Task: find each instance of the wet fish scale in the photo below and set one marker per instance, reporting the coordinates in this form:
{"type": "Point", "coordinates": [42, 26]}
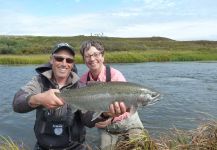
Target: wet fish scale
{"type": "Point", "coordinates": [98, 96]}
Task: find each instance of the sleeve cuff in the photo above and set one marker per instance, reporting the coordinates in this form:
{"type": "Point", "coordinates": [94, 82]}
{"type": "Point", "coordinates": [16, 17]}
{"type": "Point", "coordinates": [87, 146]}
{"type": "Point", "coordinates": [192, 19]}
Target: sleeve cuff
{"type": "Point", "coordinates": [104, 117]}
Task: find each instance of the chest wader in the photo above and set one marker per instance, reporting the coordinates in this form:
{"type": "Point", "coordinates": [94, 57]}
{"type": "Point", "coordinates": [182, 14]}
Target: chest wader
{"type": "Point", "coordinates": [58, 128]}
{"type": "Point", "coordinates": [109, 138]}
{"type": "Point", "coordinates": [108, 74]}
{"type": "Point", "coordinates": [105, 137]}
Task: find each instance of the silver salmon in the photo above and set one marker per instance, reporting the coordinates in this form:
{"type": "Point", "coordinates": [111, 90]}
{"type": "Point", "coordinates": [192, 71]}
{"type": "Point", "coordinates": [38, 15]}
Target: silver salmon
{"type": "Point", "coordinates": [98, 96]}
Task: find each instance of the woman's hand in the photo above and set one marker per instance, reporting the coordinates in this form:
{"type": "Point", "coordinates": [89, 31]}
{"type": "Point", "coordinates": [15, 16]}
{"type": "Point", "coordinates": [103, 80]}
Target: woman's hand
{"type": "Point", "coordinates": [116, 109]}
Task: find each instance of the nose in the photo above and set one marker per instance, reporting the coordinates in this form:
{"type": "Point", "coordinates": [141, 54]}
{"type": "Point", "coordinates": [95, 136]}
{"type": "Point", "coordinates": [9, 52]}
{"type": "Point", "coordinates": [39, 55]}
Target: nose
{"type": "Point", "coordinates": [92, 57]}
{"type": "Point", "coordinates": [64, 62]}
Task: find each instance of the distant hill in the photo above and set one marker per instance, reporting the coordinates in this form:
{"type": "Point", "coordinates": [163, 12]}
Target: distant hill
{"type": "Point", "coordinates": [44, 44]}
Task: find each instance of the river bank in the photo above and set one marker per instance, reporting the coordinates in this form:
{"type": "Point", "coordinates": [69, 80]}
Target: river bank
{"type": "Point", "coordinates": [36, 49]}
{"type": "Point", "coordinates": [203, 137]}
{"type": "Point", "coordinates": [120, 57]}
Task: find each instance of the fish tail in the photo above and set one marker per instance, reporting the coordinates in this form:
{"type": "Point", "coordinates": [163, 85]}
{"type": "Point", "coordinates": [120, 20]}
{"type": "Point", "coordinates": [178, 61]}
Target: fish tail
{"type": "Point", "coordinates": [133, 109]}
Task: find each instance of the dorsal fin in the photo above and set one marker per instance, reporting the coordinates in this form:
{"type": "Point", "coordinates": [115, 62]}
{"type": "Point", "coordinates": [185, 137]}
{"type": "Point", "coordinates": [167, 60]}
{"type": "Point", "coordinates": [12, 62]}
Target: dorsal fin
{"type": "Point", "coordinates": [92, 83]}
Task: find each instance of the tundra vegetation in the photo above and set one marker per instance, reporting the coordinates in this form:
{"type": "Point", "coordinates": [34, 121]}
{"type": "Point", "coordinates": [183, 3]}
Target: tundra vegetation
{"type": "Point", "coordinates": [6, 143]}
{"type": "Point", "coordinates": [37, 49]}
{"type": "Point", "coordinates": [202, 138]}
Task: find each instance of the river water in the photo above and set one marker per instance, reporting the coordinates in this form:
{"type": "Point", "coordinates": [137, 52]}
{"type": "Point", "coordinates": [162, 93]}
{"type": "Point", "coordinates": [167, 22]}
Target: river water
{"type": "Point", "coordinates": [188, 89]}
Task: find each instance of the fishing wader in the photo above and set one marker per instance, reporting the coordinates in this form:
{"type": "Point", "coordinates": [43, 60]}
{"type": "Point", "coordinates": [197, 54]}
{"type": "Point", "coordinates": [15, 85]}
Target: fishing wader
{"type": "Point", "coordinates": [114, 132]}
{"type": "Point", "coordinates": [127, 128]}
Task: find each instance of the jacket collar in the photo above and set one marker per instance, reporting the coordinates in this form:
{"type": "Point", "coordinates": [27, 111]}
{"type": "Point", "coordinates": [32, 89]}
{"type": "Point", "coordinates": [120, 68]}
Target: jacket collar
{"type": "Point", "coordinates": [46, 71]}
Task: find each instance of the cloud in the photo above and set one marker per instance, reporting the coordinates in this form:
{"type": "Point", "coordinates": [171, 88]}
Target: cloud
{"type": "Point", "coordinates": [155, 4]}
{"type": "Point", "coordinates": [175, 30]}
{"type": "Point", "coordinates": [121, 23]}
{"type": "Point", "coordinates": [22, 24]}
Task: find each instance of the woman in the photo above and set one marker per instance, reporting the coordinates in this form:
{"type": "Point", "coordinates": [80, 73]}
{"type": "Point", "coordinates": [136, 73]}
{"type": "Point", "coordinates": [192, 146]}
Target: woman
{"type": "Point", "coordinates": [93, 56]}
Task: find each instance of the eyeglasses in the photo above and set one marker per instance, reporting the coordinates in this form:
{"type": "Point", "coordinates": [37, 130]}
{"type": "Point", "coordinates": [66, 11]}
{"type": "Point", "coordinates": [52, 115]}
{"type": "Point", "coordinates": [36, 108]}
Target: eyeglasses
{"type": "Point", "coordinates": [61, 58]}
{"type": "Point", "coordinates": [95, 55]}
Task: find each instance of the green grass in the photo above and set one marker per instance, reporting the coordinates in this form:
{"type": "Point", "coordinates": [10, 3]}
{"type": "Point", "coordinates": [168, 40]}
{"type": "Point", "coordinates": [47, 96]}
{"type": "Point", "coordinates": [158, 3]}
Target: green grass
{"type": "Point", "coordinates": [24, 59]}
{"type": "Point", "coordinates": [202, 138]}
{"type": "Point", "coordinates": [119, 57]}
{"type": "Point", "coordinates": [6, 143]}
{"type": "Point", "coordinates": [36, 49]}
{"type": "Point", "coordinates": [137, 141]}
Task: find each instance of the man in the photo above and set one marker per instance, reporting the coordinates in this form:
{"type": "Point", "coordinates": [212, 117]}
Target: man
{"type": "Point", "coordinates": [56, 127]}
{"type": "Point", "coordinates": [112, 129]}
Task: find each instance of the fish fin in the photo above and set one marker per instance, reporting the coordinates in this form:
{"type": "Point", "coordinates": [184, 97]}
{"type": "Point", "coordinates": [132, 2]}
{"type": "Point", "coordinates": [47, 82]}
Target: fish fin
{"type": "Point", "coordinates": [83, 111]}
{"type": "Point", "coordinates": [96, 115]}
{"type": "Point", "coordinates": [133, 109]}
{"type": "Point", "coordinates": [92, 83]}
{"type": "Point", "coordinates": [74, 108]}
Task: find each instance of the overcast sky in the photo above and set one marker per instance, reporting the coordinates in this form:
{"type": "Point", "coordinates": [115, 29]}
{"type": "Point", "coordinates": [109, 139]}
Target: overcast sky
{"type": "Point", "coordinates": [175, 19]}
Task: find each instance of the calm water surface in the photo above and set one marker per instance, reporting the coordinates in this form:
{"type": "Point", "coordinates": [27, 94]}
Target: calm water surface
{"type": "Point", "coordinates": [189, 96]}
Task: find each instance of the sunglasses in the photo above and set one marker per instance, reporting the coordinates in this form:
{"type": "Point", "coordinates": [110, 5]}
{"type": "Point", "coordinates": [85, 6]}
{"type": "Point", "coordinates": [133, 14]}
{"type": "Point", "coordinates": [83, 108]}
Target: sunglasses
{"type": "Point", "coordinates": [60, 59]}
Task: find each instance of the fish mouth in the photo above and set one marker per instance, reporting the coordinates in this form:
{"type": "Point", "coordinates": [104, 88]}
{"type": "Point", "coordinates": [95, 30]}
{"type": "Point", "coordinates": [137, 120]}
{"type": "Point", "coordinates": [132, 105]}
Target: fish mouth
{"type": "Point", "coordinates": [152, 98]}
{"type": "Point", "coordinates": [155, 97]}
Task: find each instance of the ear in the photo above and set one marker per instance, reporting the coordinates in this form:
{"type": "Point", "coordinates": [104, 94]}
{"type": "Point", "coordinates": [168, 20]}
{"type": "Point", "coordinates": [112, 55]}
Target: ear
{"type": "Point", "coordinates": [51, 60]}
{"type": "Point", "coordinates": [103, 58]}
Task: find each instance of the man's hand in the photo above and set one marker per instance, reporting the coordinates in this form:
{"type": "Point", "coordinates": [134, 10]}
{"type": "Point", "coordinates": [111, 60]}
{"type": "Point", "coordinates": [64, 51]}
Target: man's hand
{"type": "Point", "coordinates": [103, 124]}
{"type": "Point", "coordinates": [48, 99]}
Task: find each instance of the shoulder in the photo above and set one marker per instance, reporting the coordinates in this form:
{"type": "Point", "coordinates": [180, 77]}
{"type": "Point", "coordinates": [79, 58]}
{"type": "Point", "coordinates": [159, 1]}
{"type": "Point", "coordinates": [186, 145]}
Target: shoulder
{"type": "Point", "coordinates": [115, 71]}
{"type": "Point", "coordinates": [75, 77]}
{"type": "Point", "coordinates": [116, 75]}
{"type": "Point", "coordinates": [83, 78]}
{"type": "Point", "coordinates": [33, 86]}
{"type": "Point", "coordinates": [35, 80]}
